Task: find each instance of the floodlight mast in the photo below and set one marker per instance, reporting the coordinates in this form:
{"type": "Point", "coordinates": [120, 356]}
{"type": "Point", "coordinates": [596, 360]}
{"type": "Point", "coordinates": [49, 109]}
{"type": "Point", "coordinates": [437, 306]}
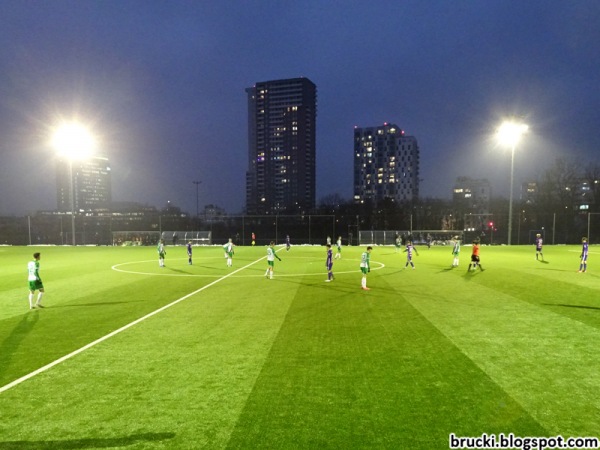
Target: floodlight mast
{"type": "Point", "coordinates": [74, 142]}
{"type": "Point", "coordinates": [509, 134]}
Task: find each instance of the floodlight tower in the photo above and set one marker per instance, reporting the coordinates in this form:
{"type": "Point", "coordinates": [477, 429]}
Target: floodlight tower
{"type": "Point", "coordinates": [197, 183]}
{"type": "Point", "coordinates": [74, 142]}
{"type": "Point", "coordinates": [509, 134]}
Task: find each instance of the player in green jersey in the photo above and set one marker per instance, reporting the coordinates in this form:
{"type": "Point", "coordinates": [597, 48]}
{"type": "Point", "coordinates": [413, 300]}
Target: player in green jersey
{"type": "Point", "coordinates": [338, 244]}
{"type": "Point", "coordinates": [271, 255]}
{"type": "Point", "coordinates": [456, 251]}
{"type": "Point", "coordinates": [160, 248]}
{"type": "Point", "coordinates": [228, 249]}
{"type": "Point", "coordinates": [365, 267]}
{"type": "Point", "coordinates": [35, 282]}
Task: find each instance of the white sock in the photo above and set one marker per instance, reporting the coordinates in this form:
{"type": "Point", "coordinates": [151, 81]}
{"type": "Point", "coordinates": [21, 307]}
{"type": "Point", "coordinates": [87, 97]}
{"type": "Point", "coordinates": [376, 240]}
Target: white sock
{"type": "Point", "coordinates": [363, 282]}
{"type": "Point", "coordinates": [39, 299]}
{"type": "Point", "coordinates": [30, 299]}
{"type": "Point", "coordinates": [271, 275]}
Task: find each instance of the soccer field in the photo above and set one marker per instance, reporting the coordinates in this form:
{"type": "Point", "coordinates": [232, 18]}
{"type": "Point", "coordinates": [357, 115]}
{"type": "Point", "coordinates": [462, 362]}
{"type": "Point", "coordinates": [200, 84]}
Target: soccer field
{"type": "Point", "coordinates": [206, 356]}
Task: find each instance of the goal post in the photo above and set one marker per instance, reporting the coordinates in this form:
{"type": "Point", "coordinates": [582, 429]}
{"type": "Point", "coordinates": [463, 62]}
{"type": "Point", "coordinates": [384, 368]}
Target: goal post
{"type": "Point", "coordinates": [134, 238]}
{"type": "Point", "coordinates": [418, 237]}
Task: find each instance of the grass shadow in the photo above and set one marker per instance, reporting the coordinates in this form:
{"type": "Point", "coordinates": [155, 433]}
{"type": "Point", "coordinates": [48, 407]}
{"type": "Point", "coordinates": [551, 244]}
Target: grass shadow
{"type": "Point", "coordinates": [86, 443]}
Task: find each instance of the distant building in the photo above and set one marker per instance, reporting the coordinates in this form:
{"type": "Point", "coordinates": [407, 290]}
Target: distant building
{"type": "Point", "coordinates": [584, 196]}
{"type": "Point", "coordinates": [529, 192]}
{"type": "Point", "coordinates": [281, 174]}
{"type": "Point", "coordinates": [386, 164]}
{"type": "Point", "coordinates": [213, 213]}
{"type": "Point", "coordinates": [471, 201]}
{"type": "Point", "coordinates": [472, 196]}
{"type": "Point", "coordinates": [90, 183]}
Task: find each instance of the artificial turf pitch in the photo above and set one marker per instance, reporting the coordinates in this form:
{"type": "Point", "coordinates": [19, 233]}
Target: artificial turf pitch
{"type": "Point", "coordinates": [239, 361]}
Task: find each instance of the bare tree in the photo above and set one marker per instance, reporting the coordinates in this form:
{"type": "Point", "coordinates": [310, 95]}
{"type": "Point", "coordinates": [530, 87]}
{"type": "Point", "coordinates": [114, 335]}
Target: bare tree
{"type": "Point", "coordinates": [558, 185]}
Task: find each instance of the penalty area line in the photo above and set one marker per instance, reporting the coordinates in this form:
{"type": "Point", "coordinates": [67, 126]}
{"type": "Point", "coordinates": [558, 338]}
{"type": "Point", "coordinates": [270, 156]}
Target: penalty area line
{"type": "Point", "coordinates": [115, 332]}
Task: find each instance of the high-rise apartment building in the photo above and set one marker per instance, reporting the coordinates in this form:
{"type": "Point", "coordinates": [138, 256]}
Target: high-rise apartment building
{"type": "Point", "coordinates": [281, 174]}
{"type": "Point", "coordinates": [90, 183]}
{"type": "Point", "coordinates": [386, 164]}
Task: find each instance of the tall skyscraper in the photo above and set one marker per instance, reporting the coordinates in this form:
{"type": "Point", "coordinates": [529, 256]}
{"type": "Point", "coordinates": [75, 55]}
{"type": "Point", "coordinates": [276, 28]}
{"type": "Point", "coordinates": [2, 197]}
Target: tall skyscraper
{"type": "Point", "coordinates": [386, 164]}
{"type": "Point", "coordinates": [281, 176]}
{"type": "Point", "coordinates": [91, 185]}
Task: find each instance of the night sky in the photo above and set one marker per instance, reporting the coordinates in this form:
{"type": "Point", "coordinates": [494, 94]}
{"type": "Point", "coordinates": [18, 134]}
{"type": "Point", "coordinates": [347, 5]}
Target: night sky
{"type": "Point", "coordinates": [162, 86]}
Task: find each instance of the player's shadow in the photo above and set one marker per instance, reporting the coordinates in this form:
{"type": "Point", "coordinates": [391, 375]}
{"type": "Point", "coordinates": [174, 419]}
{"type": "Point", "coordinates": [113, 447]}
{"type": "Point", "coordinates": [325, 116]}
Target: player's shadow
{"type": "Point", "coordinates": [545, 262]}
{"type": "Point", "coordinates": [180, 271]}
{"type": "Point", "coordinates": [572, 306]}
{"type": "Point", "coordinates": [396, 272]}
{"type": "Point", "coordinates": [471, 273]}
{"type": "Point", "coordinates": [87, 442]}
{"type": "Point", "coordinates": [79, 305]}
{"type": "Point", "coordinates": [335, 285]}
{"type": "Point", "coordinates": [11, 343]}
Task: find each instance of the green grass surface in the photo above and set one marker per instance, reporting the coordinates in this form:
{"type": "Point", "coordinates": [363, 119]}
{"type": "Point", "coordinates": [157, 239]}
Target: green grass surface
{"type": "Point", "coordinates": [245, 362]}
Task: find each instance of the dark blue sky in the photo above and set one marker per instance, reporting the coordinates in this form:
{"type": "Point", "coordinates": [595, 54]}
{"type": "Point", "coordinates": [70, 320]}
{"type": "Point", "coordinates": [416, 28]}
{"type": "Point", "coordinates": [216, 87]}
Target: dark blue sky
{"type": "Point", "coordinates": [162, 85]}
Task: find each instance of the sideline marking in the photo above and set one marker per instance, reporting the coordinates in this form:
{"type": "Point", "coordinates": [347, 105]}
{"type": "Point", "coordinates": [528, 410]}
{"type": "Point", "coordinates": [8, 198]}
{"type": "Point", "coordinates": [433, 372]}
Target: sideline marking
{"type": "Point", "coordinates": [114, 333]}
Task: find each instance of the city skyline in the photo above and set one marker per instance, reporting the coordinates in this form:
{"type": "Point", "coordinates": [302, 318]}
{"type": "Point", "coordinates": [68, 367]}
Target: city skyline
{"type": "Point", "coordinates": [162, 86]}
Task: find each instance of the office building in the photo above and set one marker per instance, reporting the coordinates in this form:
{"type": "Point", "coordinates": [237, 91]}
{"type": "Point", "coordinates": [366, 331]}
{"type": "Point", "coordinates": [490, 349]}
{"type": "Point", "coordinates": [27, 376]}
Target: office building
{"type": "Point", "coordinates": [90, 181]}
{"type": "Point", "coordinates": [281, 176]}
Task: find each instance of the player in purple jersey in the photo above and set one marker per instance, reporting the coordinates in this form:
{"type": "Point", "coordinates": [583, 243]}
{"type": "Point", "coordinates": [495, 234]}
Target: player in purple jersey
{"type": "Point", "coordinates": [329, 264]}
{"type": "Point", "coordinates": [538, 247]}
{"type": "Point", "coordinates": [584, 255]}
{"type": "Point", "coordinates": [409, 254]}
{"type": "Point", "coordinates": [188, 247]}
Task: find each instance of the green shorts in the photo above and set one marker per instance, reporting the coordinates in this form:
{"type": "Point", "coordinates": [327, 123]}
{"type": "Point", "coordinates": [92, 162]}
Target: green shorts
{"type": "Point", "coordinates": [36, 285]}
{"type": "Point", "coordinates": [364, 270]}
{"type": "Point", "coordinates": [271, 263]}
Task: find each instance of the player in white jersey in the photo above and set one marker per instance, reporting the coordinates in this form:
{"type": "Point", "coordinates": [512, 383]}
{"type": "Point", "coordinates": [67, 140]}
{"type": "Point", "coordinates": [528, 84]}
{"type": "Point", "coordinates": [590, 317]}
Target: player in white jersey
{"type": "Point", "coordinates": [228, 248]}
{"type": "Point", "coordinates": [35, 282]}
{"type": "Point", "coordinates": [271, 255]}
{"type": "Point", "coordinates": [365, 267]}
{"type": "Point", "coordinates": [456, 251]}
{"type": "Point", "coordinates": [338, 244]}
{"type": "Point", "coordinates": [160, 248]}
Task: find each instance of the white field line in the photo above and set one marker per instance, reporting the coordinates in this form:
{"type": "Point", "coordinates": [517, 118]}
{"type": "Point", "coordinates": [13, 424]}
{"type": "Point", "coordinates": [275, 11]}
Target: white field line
{"type": "Point", "coordinates": [114, 333]}
{"type": "Point", "coordinates": [117, 268]}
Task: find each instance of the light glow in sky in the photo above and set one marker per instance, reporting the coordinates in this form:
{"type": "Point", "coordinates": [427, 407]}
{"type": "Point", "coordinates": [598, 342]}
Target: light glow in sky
{"type": "Point", "coordinates": [73, 141]}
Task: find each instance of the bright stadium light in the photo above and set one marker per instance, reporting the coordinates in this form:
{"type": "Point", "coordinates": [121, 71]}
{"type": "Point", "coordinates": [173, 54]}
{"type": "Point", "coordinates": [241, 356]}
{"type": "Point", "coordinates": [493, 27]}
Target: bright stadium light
{"type": "Point", "coordinates": [509, 134]}
{"type": "Point", "coordinates": [74, 142]}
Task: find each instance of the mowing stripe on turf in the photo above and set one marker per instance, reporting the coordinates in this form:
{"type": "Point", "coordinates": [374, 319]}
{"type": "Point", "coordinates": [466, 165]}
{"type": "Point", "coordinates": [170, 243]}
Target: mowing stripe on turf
{"type": "Point", "coordinates": [114, 333]}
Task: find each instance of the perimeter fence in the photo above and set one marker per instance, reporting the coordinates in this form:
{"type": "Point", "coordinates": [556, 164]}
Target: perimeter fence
{"type": "Point", "coordinates": [311, 229]}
